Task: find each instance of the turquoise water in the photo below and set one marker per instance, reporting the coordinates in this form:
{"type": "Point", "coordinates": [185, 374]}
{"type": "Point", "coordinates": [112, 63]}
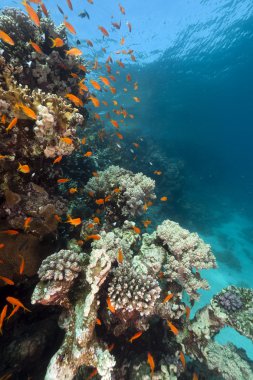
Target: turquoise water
{"type": "Point", "coordinates": [194, 71]}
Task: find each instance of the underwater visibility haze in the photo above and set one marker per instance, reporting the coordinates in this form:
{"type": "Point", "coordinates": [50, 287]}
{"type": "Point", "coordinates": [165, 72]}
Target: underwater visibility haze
{"type": "Point", "coordinates": [126, 188]}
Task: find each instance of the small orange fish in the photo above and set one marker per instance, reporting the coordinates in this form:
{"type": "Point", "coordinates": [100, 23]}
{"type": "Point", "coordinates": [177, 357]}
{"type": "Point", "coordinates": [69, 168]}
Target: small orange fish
{"type": "Point", "coordinates": [100, 201]}
{"type": "Point", "coordinates": [32, 14]}
{"type": "Point", "coordinates": [74, 51]}
{"type": "Point", "coordinates": [173, 328]}
{"type": "Point", "coordinates": [12, 124]}
{"type": "Point", "coordinates": [137, 100]}
{"type": "Point", "coordinates": [116, 25]}
{"type": "Point", "coordinates": [151, 362]}
{"type": "Point", "coordinates": [135, 336]}
{"type": "Point", "coordinates": [168, 297]}
{"type": "Point", "coordinates": [95, 371]}
{"type": "Point", "coordinates": [6, 38]}
{"type": "Point", "coordinates": [107, 198]}
{"type": "Point", "coordinates": [111, 347]}
{"type": "Point", "coordinates": [16, 308]}
{"type": "Point", "coordinates": [63, 180]}
{"type": "Point", "coordinates": [114, 123]}
{"type": "Point", "coordinates": [83, 141]}
{"type": "Point", "coordinates": [70, 27]}
{"type": "Point", "coordinates": [136, 230]}
{"type": "Point", "coordinates": [119, 135]}
{"type": "Point", "coordinates": [7, 280]}
{"type": "Point", "coordinates": [121, 64]}
{"type": "Point", "coordinates": [95, 84]}
{"type": "Point", "coordinates": [58, 218]}
{"type": "Point", "coordinates": [44, 9]}
{"type": "Point", "coordinates": [115, 102]}
{"type": "Point", "coordinates": [74, 99]}
{"type": "Point", "coordinates": [2, 317]}
{"type": "Point", "coordinates": [23, 168]}
{"type": "Point", "coordinates": [95, 101]}
{"type": "Point", "coordinates": [98, 322]}
{"type": "Point", "coordinates": [131, 116]}
{"type": "Point", "coordinates": [90, 225]}
{"type": "Point", "coordinates": [122, 41]}
{"type": "Point", "coordinates": [122, 10]}
{"type": "Point", "coordinates": [108, 69]}
{"type": "Point", "coordinates": [36, 47]}
{"type": "Point", "coordinates": [3, 119]}
{"type": "Point", "coordinates": [73, 190]}
{"type": "Point", "coordinates": [82, 68]}
{"type": "Point", "coordinates": [120, 257]}
{"type": "Point", "coordinates": [90, 1]}
{"type": "Point", "coordinates": [129, 26]}
{"type": "Point", "coordinates": [89, 43]}
{"type": "Point", "coordinates": [10, 232]}
{"type": "Point", "coordinates": [57, 42]}
{"type": "Point", "coordinates": [22, 265]}
{"type": "Point", "coordinates": [182, 359]}
{"type": "Point", "coordinates": [195, 376]}
{"type": "Point", "coordinates": [116, 190]}
{"type": "Point", "coordinates": [70, 5]}
{"type": "Point", "coordinates": [96, 220]}
{"type": "Point", "coordinates": [74, 222]}
{"type": "Point", "coordinates": [136, 86]}
{"type": "Point", "coordinates": [112, 78]}
{"type": "Point", "coordinates": [2, 245]}
{"type": "Point", "coordinates": [97, 116]}
{"type": "Point", "coordinates": [91, 194]}
{"type": "Point", "coordinates": [146, 223]}
{"type": "Point", "coordinates": [133, 58]}
{"type": "Point", "coordinates": [128, 78]}
{"type": "Point", "coordinates": [157, 172]}
{"type": "Point", "coordinates": [93, 237]}
{"type": "Point", "coordinates": [88, 154]}
{"type": "Point", "coordinates": [57, 160]}
{"type": "Point", "coordinates": [67, 140]}
{"type": "Point", "coordinates": [28, 111]}
{"type": "Point", "coordinates": [74, 75]}
{"type": "Point", "coordinates": [164, 199]}
{"type": "Point", "coordinates": [104, 31]}
{"type": "Point", "coordinates": [110, 306]}
{"type": "Point", "coordinates": [187, 312]}
{"type": "Point", "coordinates": [27, 223]}
{"type": "Point", "coordinates": [105, 81]}
{"type": "Point", "coordinates": [15, 302]}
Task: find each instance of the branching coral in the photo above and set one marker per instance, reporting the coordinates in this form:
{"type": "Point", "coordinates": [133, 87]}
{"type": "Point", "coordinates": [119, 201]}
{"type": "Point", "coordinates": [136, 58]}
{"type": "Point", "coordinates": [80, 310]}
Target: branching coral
{"type": "Point", "coordinates": [128, 192]}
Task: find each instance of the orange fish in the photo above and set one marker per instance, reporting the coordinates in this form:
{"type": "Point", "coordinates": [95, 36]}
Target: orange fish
{"type": "Point", "coordinates": [131, 116]}
{"type": "Point", "coordinates": [133, 58]}
{"type": "Point", "coordinates": [44, 9]}
{"type": "Point", "coordinates": [16, 308]}
{"type": "Point", "coordinates": [74, 75]}
{"type": "Point", "coordinates": [95, 84]}
{"type": "Point", "coordinates": [97, 116]}
{"type": "Point", "coordinates": [122, 41]}
{"type": "Point", "coordinates": [115, 102]}
{"type": "Point", "coordinates": [70, 27]}
{"type": "Point", "coordinates": [3, 119]}
{"type": "Point", "coordinates": [151, 362]}
{"type": "Point", "coordinates": [73, 190]}
{"type": "Point", "coordinates": [108, 68]}
{"type": "Point", "coordinates": [116, 190]}
{"type": "Point", "coordinates": [32, 14]}
{"type": "Point", "coordinates": [89, 43]}
{"type": "Point", "coordinates": [70, 5]}
{"type": "Point", "coordinates": [74, 51]}
{"type": "Point", "coordinates": [135, 336]}
{"type": "Point", "coordinates": [74, 222]}
{"type": "Point", "coordinates": [93, 237]}
{"type": "Point", "coordinates": [95, 101]}
{"type": "Point", "coordinates": [168, 297]}
{"type": "Point", "coordinates": [119, 135]}
{"type": "Point", "coordinates": [23, 168]}
{"type": "Point", "coordinates": [129, 26]}
{"type": "Point", "coordinates": [74, 99]}
{"type": "Point", "coordinates": [115, 123]}
{"type": "Point", "coordinates": [116, 25]}
{"type": "Point", "coordinates": [111, 347]}
{"type": "Point", "coordinates": [57, 42]}
{"type": "Point", "coordinates": [136, 145]}
{"type": "Point", "coordinates": [67, 140]}
{"type": "Point", "coordinates": [120, 257]}
{"type": "Point", "coordinates": [83, 141]}
{"type": "Point", "coordinates": [58, 218]}
{"type": "Point", "coordinates": [90, 1]}
{"type": "Point", "coordinates": [157, 172]}
{"type": "Point", "coordinates": [63, 180]}
{"type": "Point", "coordinates": [195, 376]}
{"type": "Point", "coordinates": [110, 306]}
{"type": "Point", "coordinates": [107, 198]}
{"type": "Point", "coordinates": [57, 160]}
{"type": "Point", "coordinates": [128, 78]}
{"type": "Point", "coordinates": [7, 280]}
{"type": "Point", "coordinates": [22, 265]}
{"type": "Point", "coordinates": [15, 302]}
{"type": "Point", "coordinates": [6, 38]}
{"type": "Point", "coordinates": [27, 223]}
{"type": "Point", "coordinates": [36, 47]}
{"type": "Point", "coordinates": [95, 371]}
{"type": "Point", "coordinates": [136, 230]}
{"type": "Point", "coordinates": [105, 81]}
{"type": "Point", "coordinates": [98, 322]}
{"type": "Point", "coordinates": [82, 68]}
{"type": "Point", "coordinates": [164, 199]}
{"type": "Point", "coordinates": [146, 223]}
{"type": "Point", "coordinates": [104, 31]}
{"type": "Point", "coordinates": [12, 124]}
{"type": "Point", "coordinates": [182, 358]}
{"type": "Point", "coordinates": [173, 328]}
{"type": "Point", "coordinates": [187, 312]}
{"type": "Point", "coordinates": [113, 90]}
{"type": "Point", "coordinates": [2, 245]}
{"type": "Point", "coordinates": [28, 111]}
{"type": "Point", "coordinates": [88, 154]}
{"type": "Point", "coordinates": [91, 194]}
{"type": "Point", "coordinates": [122, 10]}
{"type": "Point", "coordinates": [100, 201]}
{"type": "Point", "coordinates": [112, 78]}
{"type": "Point", "coordinates": [96, 220]}
{"type": "Point", "coordinates": [90, 225]}
{"type": "Point", "coordinates": [121, 64]}
{"type": "Point", "coordinates": [137, 100]}
{"type": "Point", "coordinates": [10, 232]}
{"type": "Point", "coordinates": [2, 317]}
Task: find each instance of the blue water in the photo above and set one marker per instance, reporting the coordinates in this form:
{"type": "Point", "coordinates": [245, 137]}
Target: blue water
{"type": "Point", "coordinates": [194, 69]}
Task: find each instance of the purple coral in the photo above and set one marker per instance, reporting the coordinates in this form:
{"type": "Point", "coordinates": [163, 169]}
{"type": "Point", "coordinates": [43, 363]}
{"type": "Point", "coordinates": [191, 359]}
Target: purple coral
{"type": "Point", "coordinates": [230, 301]}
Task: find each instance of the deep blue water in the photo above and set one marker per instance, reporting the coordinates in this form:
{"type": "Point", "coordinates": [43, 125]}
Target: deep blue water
{"type": "Point", "coordinates": [195, 73]}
